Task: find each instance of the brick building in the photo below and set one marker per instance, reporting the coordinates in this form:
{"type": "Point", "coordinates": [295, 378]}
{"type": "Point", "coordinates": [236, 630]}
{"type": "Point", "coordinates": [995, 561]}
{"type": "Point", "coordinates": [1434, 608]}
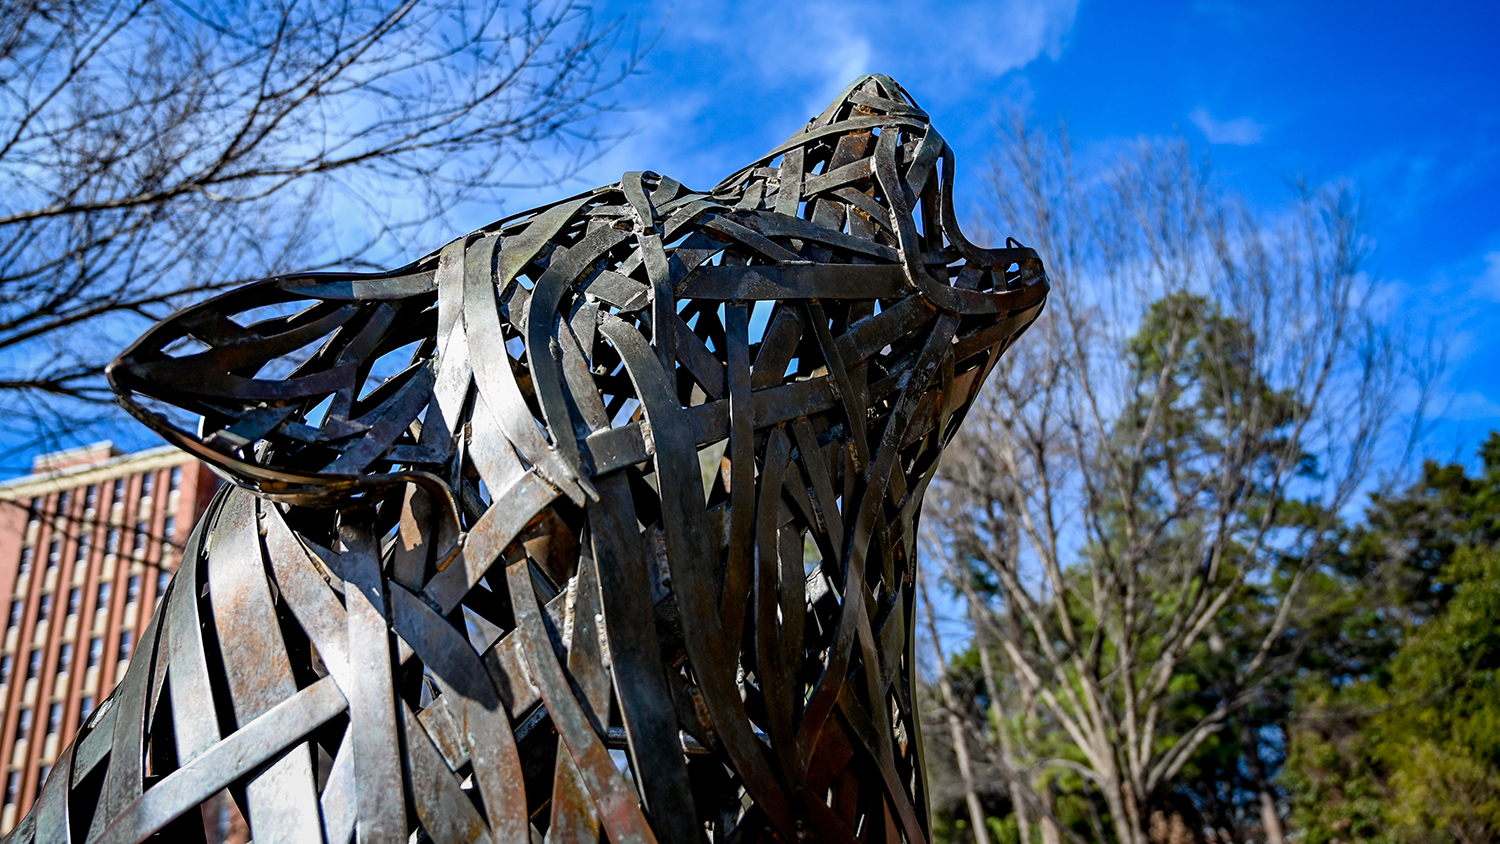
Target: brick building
{"type": "Point", "coordinates": [87, 543]}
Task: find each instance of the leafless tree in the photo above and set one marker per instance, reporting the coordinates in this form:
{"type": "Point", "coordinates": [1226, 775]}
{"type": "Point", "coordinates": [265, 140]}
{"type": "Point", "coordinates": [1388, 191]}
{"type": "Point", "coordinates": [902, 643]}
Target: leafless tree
{"type": "Point", "coordinates": [1130, 516]}
{"type": "Point", "coordinates": [155, 151]}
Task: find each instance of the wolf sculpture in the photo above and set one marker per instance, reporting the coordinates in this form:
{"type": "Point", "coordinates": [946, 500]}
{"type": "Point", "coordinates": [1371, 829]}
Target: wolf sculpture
{"type": "Point", "coordinates": [597, 523]}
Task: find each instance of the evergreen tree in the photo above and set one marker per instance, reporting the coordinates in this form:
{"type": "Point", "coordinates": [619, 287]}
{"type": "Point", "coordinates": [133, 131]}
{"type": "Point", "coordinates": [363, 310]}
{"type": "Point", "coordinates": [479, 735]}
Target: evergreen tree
{"type": "Point", "coordinates": [1397, 740]}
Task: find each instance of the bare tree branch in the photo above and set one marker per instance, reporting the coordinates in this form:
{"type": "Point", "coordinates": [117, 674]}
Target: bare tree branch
{"type": "Point", "coordinates": [157, 151]}
{"type": "Point", "coordinates": [1167, 458]}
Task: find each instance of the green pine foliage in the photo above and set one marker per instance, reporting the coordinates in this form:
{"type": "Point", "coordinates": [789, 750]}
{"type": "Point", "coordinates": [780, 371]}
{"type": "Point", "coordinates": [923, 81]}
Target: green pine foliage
{"type": "Point", "coordinates": [1384, 725]}
{"type": "Point", "coordinates": [1397, 738]}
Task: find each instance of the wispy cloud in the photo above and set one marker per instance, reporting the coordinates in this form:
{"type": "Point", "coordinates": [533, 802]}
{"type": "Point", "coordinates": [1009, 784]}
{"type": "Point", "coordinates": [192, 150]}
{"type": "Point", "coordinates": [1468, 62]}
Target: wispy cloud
{"type": "Point", "coordinates": [1489, 281]}
{"type": "Point", "coordinates": [1471, 405]}
{"type": "Point", "coordinates": [1238, 131]}
{"type": "Point", "coordinates": [727, 81]}
{"type": "Point", "coordinates": [824, 44]}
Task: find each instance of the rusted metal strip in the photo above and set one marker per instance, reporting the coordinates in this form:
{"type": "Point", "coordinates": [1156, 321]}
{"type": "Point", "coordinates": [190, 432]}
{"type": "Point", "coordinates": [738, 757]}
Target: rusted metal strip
{"type": "Point", "coordinates": [282, 800]}
{"type": "Point", "coordinates": [635, 662]}
{"type": "Point", "coordinates": [797, 281]}
{"type": "Point", "coordinates": [239, 753]}
{"type": "Point", "coordinates": [618, 813]}
{"type": "Point", "coordinates": [471, 699]}
{"type": "Point", "coordinates": [338, 799]}
{"type": "Point", "coordinates": [372, 734]}
{"type": "Point", "coordinates": [687, 539]}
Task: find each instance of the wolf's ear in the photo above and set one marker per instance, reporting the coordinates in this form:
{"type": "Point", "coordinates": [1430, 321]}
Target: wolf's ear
{"type": "Point", "coordinates": [873, 94]}
{"type": "Point", "coordinates": [322, 372]}
{"type": "Point", "coordinates": [844, 133]}
{"type": "Point", "coordinates": [872, 167]}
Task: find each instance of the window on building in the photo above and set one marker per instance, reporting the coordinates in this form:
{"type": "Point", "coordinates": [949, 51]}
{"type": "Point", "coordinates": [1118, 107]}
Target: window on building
{"type": "Point", "coordinates": [174, 479]}
{"type": "Point", "coordinates": [112, 540]}
{"type": "Point", "coordinates": [85, 708]}
{"type": "Point", "coordinates": [133, 589]}
{"type": "Point", "coordinates": [54, 718]}
{"type": "Point", "coordinates": [125, 640]}
{"type": "Point", "coordinates": [96, 650]}
{"type": "Point", "coordinates": [34, 664]}
{"type": "Point", "coordinates": [101, 600]}
{"type": "Point", "coordinates": [148, 482]}
{"type": "Point", "coordinates": [142, 530]}
{"type": "Point", "coordinates": [75, 598]}
{"type": "Point", "coordinates": [81, 551]}
{"type": "Point", "coordinates": [65, 657]}
{"type": "Point", "coordinates": [54, 553]}
{"type": "Point", "coordinates": [119, 492]}
{"type": "Point", "coordinates": [17, 607]}
{"type": "Point", "coordinates": [42, 772]}
{"type": "Point", "coordinates": [5, 666]}
{"type": "Point", "coordinates": [62, 502]}
{"type": "Point", "coordinates": [44, 607]}
{"type": "Point", "coordinates": [27, 552]}
{"type": "Point", "coordinates": [169, 528]}
{"type": "Point", "coordinates": [91, 497]}
{"type": "Point", "coordinates": [33, 511]}
{"type": "Point", "coordinates": [23, 725]}
{"type": "Point", "coordinates": [12, 787]}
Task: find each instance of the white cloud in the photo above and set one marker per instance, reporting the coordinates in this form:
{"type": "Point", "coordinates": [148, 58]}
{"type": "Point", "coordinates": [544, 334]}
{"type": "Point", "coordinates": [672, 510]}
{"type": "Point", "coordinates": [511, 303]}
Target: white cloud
{"type": "Point", "coordinates": [1471, 405]}
{"type": "Point", "coordinates": [816, 47]}
{"type": "Point", "coordinates": [1000, 37]}
{"type": "Point", "coordinates": [725, 82]}
{"type": "Point", "coordinates": [1489, 281]}
{"type": "Point", "coordinates": [1239, 131]}
{"type": "Point", "coordinates": [960, 59]}
{"type": "Point", "coordinates": [832, 48]}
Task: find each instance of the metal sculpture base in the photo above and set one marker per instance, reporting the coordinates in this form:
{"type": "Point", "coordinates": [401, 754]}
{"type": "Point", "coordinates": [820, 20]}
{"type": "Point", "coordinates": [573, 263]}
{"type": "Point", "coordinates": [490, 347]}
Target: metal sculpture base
{"type": "Point", "coordinates": [623, 546]}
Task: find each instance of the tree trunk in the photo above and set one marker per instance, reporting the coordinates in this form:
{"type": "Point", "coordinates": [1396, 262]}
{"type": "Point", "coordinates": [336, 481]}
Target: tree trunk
{"type": "Point", "coordinates": [976, 811]}
{"type": "Point", "coordinates": [1270, 819]}
{"type": "Point", "coordinates": [1050, 832]}
{"type": "Point", "coordinates": [956, 731]}
{"type": "Point", "coordinates": [1115, 799]}
{"type": "Point", "coordinates": [1007, 755]}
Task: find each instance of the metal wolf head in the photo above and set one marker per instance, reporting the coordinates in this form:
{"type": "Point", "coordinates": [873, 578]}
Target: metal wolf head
{"type": "Point", "coordinates": [671, 445]}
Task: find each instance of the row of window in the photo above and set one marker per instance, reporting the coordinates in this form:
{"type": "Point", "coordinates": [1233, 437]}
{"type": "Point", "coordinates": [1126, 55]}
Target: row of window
{"type": "Point", "coordinates": [54, 717]}
{"type": "Point", "coordinates": [101, 598]}
{"type": "Point", "coordinates": [65, 656]}
{"type": "Point", "coordinates": [141, 535]}
{"type": "Point", "coordinates": [91, 493]}
{"type": "Point", "coordinates": [65, 653]}
{"type": "Point", "coordinates": [54, 725]}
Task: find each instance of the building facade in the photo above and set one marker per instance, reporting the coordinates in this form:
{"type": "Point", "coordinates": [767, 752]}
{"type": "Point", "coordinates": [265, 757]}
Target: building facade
{"type": "Point", "coordinates": [88, 542]}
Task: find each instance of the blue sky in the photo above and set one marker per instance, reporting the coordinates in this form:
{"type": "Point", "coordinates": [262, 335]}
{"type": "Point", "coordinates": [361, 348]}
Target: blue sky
{"type": "Point", "coordinates": [1403, 102]}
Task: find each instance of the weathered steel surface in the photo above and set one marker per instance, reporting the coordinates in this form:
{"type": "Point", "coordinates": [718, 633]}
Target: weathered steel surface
{"type": "Point", "coordinates": [597, 522]}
